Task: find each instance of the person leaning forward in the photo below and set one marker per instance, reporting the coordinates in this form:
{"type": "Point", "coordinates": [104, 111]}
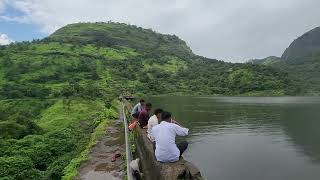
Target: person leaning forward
{"type": "Point", "coordinates": [166, 149]}
{"type": "Point", "coordinates": [144, 116]}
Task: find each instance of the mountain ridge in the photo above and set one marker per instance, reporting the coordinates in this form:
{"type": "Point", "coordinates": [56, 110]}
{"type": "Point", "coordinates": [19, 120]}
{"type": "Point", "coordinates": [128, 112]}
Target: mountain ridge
{"type": "Point", "coordinates": [304, 47]}
{"type": "Point", "coordinates": [114, 34]}
{"type": "Point", "coordinates": [144, 57]}
{"type": "Point", "coordinates": [301, 60]}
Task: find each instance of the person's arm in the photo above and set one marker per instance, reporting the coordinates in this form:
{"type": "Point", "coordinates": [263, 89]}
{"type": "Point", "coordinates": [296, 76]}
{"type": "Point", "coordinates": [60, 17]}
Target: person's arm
{"type": "Point", "coordinates": [181, 131]}
{"type": "Point", "coordinates": [151, 123]}
{"type": "Point", "coordinates": [134, 109]}
{"type": "Point", "coordinates": [139, 108]}
{"type": "Point", "coordinates": [175, 122]}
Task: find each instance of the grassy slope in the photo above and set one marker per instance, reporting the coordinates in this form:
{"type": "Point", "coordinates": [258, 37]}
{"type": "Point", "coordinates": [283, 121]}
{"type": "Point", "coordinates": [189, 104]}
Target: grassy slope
{"type": "Point", "coordinates": [57, 116]}
{"type": "Point", "coordinates": [166, 60]}
{"type": "Point", "coordinates": [86, 118]}
{"type": "Point", "coordinates": [117, 34]}
{"type": "Point", "coordinates": [71, 170]}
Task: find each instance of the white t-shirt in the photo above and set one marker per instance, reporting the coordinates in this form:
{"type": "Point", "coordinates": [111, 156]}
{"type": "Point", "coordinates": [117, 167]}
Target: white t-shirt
{"type": "Point", "coordinates": [153, 121]}
{"type": "Point", "coordinates": [165, 136]}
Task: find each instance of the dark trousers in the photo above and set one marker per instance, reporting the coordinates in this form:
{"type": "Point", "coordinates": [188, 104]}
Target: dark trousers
{"type": "Point", "coordinates": [182, 146]}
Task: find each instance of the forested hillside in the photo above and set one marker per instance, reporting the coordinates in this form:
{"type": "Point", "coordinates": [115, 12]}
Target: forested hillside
{"type": "Point", "coordinates": [56, 92]}
{"type": "Point", "coordinates": [266, 61]}
{"type": "Point", "coordinates": [301, 60]}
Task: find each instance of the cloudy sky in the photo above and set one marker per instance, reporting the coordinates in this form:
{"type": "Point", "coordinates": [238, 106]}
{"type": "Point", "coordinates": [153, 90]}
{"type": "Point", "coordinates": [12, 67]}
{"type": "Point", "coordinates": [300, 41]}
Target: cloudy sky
{"type": "Point", "coordinates": [231, 30]}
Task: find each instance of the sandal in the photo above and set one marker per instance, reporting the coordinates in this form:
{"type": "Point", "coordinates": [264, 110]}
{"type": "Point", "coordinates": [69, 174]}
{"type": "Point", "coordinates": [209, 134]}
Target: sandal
{"type": "Point", "coordinates": [115, 156]}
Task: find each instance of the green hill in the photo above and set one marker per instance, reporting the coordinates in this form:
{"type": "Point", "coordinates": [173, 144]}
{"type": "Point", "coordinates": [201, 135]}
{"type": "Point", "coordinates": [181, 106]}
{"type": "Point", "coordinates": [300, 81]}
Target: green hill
{"type": "Point", "coordinates": [117, 35]}
{"type": "Point", "coordinates": [304, 48]}
{"type": "Point", "coordinates": [55, 92]}
{"type": "Point", "coordinates": [301, 60]}
{"type": "Point", "coordinates": [110, 55]}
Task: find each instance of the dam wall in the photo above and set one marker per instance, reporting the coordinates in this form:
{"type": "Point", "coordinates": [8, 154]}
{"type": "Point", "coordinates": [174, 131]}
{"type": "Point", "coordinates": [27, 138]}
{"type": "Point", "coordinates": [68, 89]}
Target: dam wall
{"type": "Point", "coordinates": [154, 170]}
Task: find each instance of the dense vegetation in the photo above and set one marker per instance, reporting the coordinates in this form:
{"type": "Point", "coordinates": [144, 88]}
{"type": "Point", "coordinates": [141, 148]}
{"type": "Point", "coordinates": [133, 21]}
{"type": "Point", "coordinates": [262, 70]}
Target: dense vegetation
{"type": "Point", "coordinates": [301, 61]}
{"type": "Point", "coordinates": [55, 92]}
{"type": "Point", "coordinates": [39, 138]}
{"type": "Point", "coordinates": [266, 61]}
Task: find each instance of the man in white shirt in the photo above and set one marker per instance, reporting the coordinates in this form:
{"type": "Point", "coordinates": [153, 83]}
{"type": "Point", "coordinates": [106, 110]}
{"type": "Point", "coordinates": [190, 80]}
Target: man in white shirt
{"type": "Point", "coordinates": [137, 108]}
{"type": "Point", "coordinates": [153, 121]}
{"type": "Point", "coordinates": [165, 134]}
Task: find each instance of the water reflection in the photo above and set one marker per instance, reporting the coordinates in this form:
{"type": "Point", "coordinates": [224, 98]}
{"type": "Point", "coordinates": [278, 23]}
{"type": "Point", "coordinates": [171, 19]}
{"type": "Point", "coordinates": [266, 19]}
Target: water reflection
{"type": "Point", "coordinates": [251, 138]}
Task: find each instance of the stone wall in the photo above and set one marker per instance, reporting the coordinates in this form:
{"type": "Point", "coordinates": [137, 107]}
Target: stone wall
{"type": "Point", "coordinates": [154, 170]}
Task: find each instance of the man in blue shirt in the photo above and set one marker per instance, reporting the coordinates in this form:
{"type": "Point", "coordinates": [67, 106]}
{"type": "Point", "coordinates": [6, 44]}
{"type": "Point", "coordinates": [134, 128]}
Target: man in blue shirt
{"type": "Point", "coordinates": [166, 149]}
{"type": "Point", "coordinates": [137, 109]}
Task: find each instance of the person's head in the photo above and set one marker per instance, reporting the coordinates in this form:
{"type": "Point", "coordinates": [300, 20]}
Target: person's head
{"type": "Point", "coordinates": [142, 102]}
{"type": "Point", "coordinates": [166, 116]}
{"type": "Point", "coordinates": [148, 106]}
{"type": "Point", "coordinates": [158, 112]}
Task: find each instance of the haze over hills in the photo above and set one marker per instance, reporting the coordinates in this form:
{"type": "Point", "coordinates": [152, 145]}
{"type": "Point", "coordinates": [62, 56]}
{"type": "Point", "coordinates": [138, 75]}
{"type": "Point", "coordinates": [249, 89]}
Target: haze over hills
{"type": "Point", "coordinates": [266, 61]}
{"type": "Point", "coordinates": [301, 60]}
{"type": "Point", "coordinates": [56, 93]}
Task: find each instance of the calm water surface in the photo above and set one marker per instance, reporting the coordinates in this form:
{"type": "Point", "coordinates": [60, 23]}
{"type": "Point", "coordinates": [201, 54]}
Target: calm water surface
{"type": "Point", "coordinates": [250, 138]}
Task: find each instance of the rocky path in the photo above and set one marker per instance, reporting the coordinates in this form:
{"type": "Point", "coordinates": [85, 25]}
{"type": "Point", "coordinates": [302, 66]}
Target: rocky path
{"type": "Point", "coordinates": [99, 165]}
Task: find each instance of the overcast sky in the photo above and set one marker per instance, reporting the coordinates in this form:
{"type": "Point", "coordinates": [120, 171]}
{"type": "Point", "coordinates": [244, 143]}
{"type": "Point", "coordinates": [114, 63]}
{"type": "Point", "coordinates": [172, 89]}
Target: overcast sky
{"type": "Point", "coordinates": [231, 30]}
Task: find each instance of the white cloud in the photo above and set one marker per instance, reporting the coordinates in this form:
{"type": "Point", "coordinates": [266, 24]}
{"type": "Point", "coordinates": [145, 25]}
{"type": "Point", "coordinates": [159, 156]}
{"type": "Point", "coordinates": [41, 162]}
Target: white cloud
{"type": "Point", "coordinates": [229, 29]}
{"type": "Point", "coordinates": [4, 39]}
{"type": "Point", "coordinates": [2, 5]}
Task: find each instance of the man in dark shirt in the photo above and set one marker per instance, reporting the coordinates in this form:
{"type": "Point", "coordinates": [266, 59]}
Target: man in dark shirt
{"type": "Point", "coordinates": [144, 115]}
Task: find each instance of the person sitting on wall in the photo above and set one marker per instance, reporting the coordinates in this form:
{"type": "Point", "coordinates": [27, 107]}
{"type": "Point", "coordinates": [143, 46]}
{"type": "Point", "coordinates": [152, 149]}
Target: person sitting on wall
{"type": "Point", "coordinates": [144, 115]}
{"type": "Point", "coordinates": [137, 109]}
{"type": "Point", "coordinates": [153, 121]}
{"type": "Point", "coordinates": [166, 149]}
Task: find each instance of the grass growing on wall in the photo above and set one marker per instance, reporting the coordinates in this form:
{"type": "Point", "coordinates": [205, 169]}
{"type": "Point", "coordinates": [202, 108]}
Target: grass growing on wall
{"type": "Point", "coordinates": [72, 169]}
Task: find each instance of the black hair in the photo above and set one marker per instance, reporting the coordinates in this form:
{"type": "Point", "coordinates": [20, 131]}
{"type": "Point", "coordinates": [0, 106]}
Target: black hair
{"type": "Point", "coordinates": [157, 111]}
{"type": "Point", "coordinates": [149, 105]}
{"type": "Point", "coordinates": [142, 100]}
{"type": "Point", "coordinates": [165, 115]}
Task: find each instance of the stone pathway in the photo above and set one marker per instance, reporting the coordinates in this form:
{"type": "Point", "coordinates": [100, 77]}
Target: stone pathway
{"type": "Point", "coordinates": [99, 165]}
